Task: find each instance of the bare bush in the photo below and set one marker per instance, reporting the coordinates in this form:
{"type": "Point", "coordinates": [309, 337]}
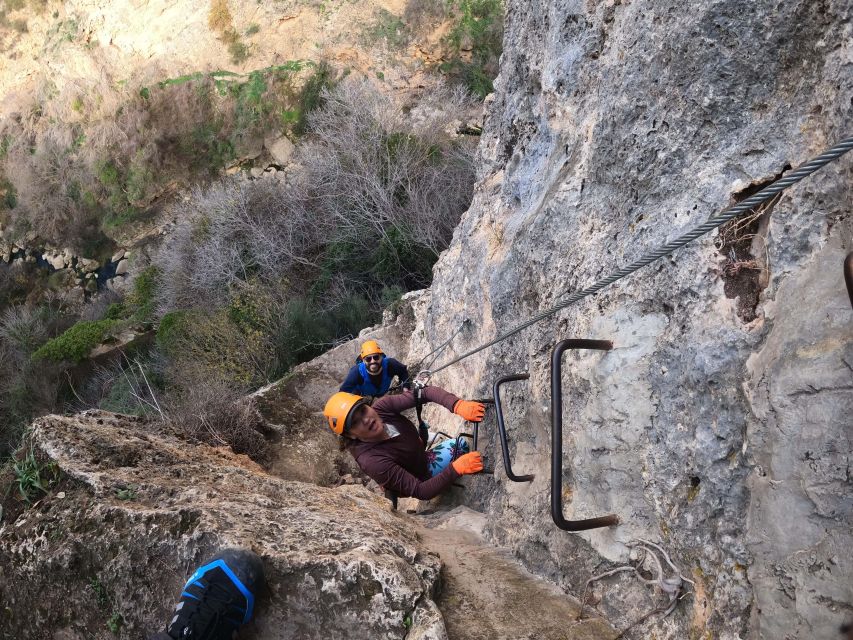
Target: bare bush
{"type": "Point", "coordinates": [230, 234]}
{"type": "Point", "coordinates": [420, 14]}
{"type": "Point", "coordinates": [218, 414]}
{"type": "Point", "coordinates": [380, 177]}
{"type": "Point", "coordinates": [24, 329]}
{"type": "Point", "coordinates": [374, 200]}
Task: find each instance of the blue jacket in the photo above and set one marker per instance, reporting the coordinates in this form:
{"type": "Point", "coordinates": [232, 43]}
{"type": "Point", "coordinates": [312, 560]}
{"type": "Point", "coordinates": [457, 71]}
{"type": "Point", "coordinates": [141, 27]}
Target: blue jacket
{"type": "Point", "coordinates": [360, 382]}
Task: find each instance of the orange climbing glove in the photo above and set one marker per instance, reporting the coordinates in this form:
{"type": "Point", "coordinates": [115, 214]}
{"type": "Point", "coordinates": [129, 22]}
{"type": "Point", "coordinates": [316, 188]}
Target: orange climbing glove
{"type": "Point", "coordinates": [471, 411]}
{"type": "Point", "coordinates": [469, 463]}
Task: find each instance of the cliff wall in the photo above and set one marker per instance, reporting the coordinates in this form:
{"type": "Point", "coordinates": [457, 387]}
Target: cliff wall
{"type": "Point", "coordinates": [719, 425]}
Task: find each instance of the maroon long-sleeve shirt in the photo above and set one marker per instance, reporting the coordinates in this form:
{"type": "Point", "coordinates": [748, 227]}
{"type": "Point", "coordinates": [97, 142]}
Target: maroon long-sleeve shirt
{"type": "Point", "coordinates": [400, 464]}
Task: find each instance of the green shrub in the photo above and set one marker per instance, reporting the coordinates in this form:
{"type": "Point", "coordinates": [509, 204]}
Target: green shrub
{"type": "Point", "coordinates": [140, 177]}
{"type": "Point", "coordinates": [239, 51]}
{"type": "Point", "coordinates": [209, 346]}
{"type": "Point", "coordinates": [34, 477]}
{"type": "Point", "coordinates": [478, 26]}
{"type": "Point", "coordinates": [141, 299]}
{"type": "Point", "coordinates": [100, 592]}
{"type": "Point", "coordinates": [311, 94]}
{"type": "Point", "coordinates": [77, 342]}
{"type": "Point", "coordinates": [120, 399]}
{"type": "Point", "coordinates": [171, 330]}
{"type": "Point", "coordinates": [116, 311]}
{"type": "Point", "coordinates": [9, 199]}
{"type": "Point", "coordinates": [306, 330]}
{"type": "Point", "coordinates": [207, 147]}
{"type": "Point", "coordinates": [115, 623]}
{"type": "Point", "coordinates": [387, 27]}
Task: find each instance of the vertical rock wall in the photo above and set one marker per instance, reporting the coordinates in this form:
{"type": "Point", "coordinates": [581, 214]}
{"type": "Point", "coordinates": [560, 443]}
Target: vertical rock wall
{"type": "Point", "coordinates": [720, 424]}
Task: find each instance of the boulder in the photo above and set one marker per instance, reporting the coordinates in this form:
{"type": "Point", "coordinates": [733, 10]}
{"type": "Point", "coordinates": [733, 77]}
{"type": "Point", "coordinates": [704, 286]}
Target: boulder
{"type": "Point", "coordinates": [57, 261]}
{"type": "Point", "coordinates": [122, 267]}
{"type": "Point", "coordinates": [281, 149]}
{"type": "Point", "coordinates": [88, 264]}
{"type": "Point", "coordinates": [719, 424]}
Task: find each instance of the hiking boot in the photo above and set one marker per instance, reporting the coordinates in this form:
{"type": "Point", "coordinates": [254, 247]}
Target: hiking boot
{"type": "Point", "coordinates": [218, 598]}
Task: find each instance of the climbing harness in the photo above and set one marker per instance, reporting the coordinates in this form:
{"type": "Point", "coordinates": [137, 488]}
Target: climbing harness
{"type": "Point", "coordinates": [744, 206]}
{"type": "Point", "coordinates": [557, 438]}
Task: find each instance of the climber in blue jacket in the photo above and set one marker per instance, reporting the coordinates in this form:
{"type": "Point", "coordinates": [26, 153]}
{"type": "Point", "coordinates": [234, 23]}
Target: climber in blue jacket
{"type": "Point", "coordinates": [374, 371]}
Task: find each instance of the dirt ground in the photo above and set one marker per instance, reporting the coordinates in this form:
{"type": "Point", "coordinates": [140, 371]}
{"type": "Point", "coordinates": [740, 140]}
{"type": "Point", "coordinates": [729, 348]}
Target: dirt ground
{"type": "Point", "coordinates": [486, 593]}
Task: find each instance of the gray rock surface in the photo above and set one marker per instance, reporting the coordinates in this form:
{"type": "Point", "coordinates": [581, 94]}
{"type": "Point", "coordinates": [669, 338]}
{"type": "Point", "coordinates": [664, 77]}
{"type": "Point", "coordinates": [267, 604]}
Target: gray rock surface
{"type": "Point", "coordinates": [719, 425]}
{"type": "Point", "coordinates": [280, 148]}
{"type": "Point", "coordinates": [138, 509]}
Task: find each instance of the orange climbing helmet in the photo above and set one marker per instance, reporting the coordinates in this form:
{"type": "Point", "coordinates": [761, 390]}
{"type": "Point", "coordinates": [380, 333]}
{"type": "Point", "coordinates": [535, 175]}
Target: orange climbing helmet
{"type": "Point", "coordinates": [339, 408]}
{"type": "Point", "coordinates": [369, 348]}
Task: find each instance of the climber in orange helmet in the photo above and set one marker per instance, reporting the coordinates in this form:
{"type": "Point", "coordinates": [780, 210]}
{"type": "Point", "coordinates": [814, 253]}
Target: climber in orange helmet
{"type": "Point", "coordinates": [387, 445]}
{"type": "Point", "coordinates": [374, 371]}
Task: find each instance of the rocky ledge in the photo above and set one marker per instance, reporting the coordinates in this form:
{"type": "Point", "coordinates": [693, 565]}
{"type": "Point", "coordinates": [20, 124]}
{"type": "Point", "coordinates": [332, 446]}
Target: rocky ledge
{"type": "Point", "coordinates": [136, 508]}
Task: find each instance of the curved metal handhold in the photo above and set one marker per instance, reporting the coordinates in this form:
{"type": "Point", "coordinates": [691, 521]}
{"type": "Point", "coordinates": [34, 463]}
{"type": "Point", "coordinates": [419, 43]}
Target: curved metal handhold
{"type": "Point", "coordinates": [476, 437]}
{"type": "Point", "coordinates": [848, 275]}
{"type": "Point", "coordinates": [502, 429]}
{"type": "Point", "coordinates": [557, 438]}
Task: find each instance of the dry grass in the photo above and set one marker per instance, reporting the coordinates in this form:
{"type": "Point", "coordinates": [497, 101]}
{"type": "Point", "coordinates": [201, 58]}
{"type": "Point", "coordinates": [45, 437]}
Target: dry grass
{"type": "Point", "coordinates": [219, 17]}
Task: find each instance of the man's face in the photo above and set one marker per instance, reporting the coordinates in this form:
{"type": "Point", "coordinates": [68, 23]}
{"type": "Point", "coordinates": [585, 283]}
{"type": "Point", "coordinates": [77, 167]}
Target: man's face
{"type": "Point", "coordinates": [373, 363]}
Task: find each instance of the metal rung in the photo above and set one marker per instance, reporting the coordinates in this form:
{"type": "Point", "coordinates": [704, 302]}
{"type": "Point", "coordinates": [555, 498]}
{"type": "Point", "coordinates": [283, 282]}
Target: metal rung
{"type": "Point", "coordinates": [557, 438]}
{"type": "Point", "coordinates": [502, 429]}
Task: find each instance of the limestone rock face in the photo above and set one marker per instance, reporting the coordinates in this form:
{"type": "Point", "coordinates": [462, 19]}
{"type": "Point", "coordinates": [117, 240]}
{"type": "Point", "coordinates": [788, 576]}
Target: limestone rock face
{"type": "Point", "coordinates": [137, 509]}
{"type": "Point", "coordinates": [719, 425]}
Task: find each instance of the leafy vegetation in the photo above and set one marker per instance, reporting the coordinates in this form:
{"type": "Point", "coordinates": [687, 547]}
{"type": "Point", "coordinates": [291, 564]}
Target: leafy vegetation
{"type": "Point", "coordinates": [476, 41]}
{"type": "Point", "coordinates": [139, 304]}
{"type": "Point", "coordinates": [100, 592]}
{"type": "Point", "coordinates": [126, 493]}
{"type": "Point", "coordinates": [115, 622]}
{"type": "Point", "coordinates": [311, 95]}
{"type": "Point", "coordinates": [86, 166]}
{"type": "Point", "coordinates": [34, 477]}
{"type": "Point", "coordinates": [75, 344]}
{"type": "Point", "coordinates": [388, 28]}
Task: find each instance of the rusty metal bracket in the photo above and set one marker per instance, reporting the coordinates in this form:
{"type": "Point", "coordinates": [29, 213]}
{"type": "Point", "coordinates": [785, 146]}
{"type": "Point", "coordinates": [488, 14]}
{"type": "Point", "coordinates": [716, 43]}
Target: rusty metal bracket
{"type": "Point", "coordinates": [502, 428]}
{"type": "Point", "coordinates": [557, 438]}
{"type": "Point", "coordinates": [848, 275]}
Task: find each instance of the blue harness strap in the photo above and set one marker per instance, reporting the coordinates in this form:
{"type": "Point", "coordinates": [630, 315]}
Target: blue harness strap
{"type": "Point", "coordinates": [367, 386]}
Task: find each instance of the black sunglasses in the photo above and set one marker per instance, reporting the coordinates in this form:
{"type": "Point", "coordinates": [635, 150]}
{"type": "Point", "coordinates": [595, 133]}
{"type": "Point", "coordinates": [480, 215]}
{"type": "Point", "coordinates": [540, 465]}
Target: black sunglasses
{"type": "Point", "coordinates": [375, 358]}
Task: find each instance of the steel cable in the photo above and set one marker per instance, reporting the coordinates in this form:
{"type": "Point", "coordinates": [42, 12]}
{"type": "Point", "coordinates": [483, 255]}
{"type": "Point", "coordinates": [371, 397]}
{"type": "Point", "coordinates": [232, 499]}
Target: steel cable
{"type": "Point", "coordinates": [724, 216]}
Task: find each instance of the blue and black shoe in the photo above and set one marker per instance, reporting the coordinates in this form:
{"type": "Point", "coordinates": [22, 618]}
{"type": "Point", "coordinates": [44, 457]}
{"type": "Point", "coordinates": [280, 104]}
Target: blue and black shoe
{"type": "Point", "coordinates": [218, 598]}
